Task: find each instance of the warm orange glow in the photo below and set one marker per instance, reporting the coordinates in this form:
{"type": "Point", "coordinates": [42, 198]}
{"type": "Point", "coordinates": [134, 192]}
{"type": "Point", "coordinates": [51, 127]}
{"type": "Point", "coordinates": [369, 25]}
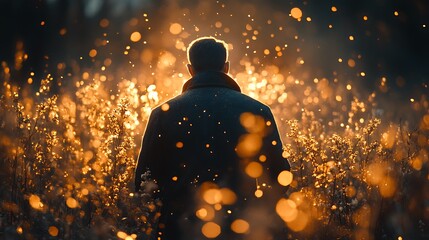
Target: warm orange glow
{"type": "Point", "coordinates": [285, 178]}
{"type": "Point", "coordinates": [179, 144]}
{"type": "Point", "coordinates": [212, 196]}
{"type": "Point", "coordinates": [211, 230]}
{"type": "Point", "coordinates": [206, 213]}
{"type": "Point", "coordinates": [175, 28]}
{"type": "Point", "coordinates": [135, 36]}
{"type": "Point", "coordinates": [53, 231]}
{"type": "Point", "coordinates": [35, 202]}
{"type": "Point", "coordinates": [228, 196]}
{"type": "Point", "coordinates": [92, 53]}
{"type": "Point", "coordinates": [387, 187]}
{"type": "Point", "coordinates": [300, 222]}
{"type": "Point", "coordinates": [286, 209]}
{"type": "Point", "coordinates": [254, 169]}
{"type": "Point", "coordinates": [296, 13]}
{"type": "Point", "coordinates": [249, 145]}
{"type": "Point", "coordinates": [72, 203]}
{"type": "Point", "coordinates": [240, 226]}
{"type": "Point", "coordinates": [259, 193]}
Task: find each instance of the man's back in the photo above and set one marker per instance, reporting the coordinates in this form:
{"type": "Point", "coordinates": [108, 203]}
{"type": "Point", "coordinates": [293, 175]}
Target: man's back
{"type": "Point", "coordinates": [210, 137]}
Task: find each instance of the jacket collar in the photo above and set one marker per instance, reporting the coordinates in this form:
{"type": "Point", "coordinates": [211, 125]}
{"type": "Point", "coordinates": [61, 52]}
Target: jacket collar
{"type": "Point", "coordinates": [211, 79]}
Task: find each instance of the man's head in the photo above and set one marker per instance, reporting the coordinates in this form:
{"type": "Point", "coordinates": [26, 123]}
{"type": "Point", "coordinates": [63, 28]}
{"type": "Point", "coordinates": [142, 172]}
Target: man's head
{"type": "Point", "coordinates": [207, 54]}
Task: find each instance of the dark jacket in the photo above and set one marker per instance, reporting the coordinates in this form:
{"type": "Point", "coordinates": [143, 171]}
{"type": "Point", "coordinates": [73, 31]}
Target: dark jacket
{"type": "Point", "coordinates": [202, 136]}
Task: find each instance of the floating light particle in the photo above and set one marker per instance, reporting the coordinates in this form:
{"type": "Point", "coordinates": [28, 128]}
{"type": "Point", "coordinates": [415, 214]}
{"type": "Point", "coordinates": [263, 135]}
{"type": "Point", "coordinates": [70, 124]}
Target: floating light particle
{"type": "Point", "coordinates": [19, 230]}
{"type": "Point", "coordinates": [349, 87]}
{"type": "Point", "coordinates": [351, 63]}
{"type": "Point", "coordinates": [308, 19]}
{"type": "Point", "coordinates": [228, 196]}
{"type": "Point", "coordinates": [174, 178]}
{"type": "Point", "coordinates": [351, 38]}
{"type": "Point", "coordinates": [121, 234]}
{"type": "Point", "coordinates": [30, 80]}
{"type": "Point", "coordinates": [412, 100]}
{"type": "Point", "coordinates": [396, 13]}
{"type": "Point", "coordinates": [330, 26]}
{"type": "Point", "coordinates": [259, 193]}
{"type": "Point", "coordinates": [71, 202]}
{"type": "Point", "coordinates": [248, 27]}
{"type": "Point", "coordinates": [85, 191]}
{"type": "Point", "coordinates": [35, 202]}
{"type": "Point", "coordinates": [135, 37]}
{"type": "Point", "coordinates": [365, 18]}
{"type": "Point", "coordinates": [218, 24]}
{"type": "Point", "coordinates": [201, 213]}
{"type": "Point", "coordinates": [92, 53]}
{"type": "Point", "coordinates": [338, 98]}
{"type": "Point", "coordinates": [211, 230]}
{"type": "Point", "coordinates": [212, 196]}
{"type": "Point", "coordinates": [217, 206]}
{"type": "Point", "coordinates": [286, 209]}
{"type": "Point", "coordinates": [240, 226]}
{"type": "Point", "coordinates": [254, 169]}
{"type": "Point", "coordinates": [165, 107]}
{"type": "Point", "coordinates": [334, 9]}
{"type": "Point", "coordinates": [53, 231]}
{"type": "Point", "coordinates": [363, 74]}
{"type": "Point", "coordinates": [266, 51]}
{"type": "Point", "coordinates": [175, 28]}
{"type": "Point", "coordinates": [340, 60]}
{"type": "Point", "coordinates": [63, 31]}
{"type": "Point", "coordinates": [296, 13]}
{"type": "Point", "coordinates": [179, 145]}
{"type": "Point", "coordinates": [104, 23]}
{"type": "Point", "coordinates": [285, 178]}
{"type": "Point", "coordinates": [42, 23]}
{"type": "Point", "coordinates": [300, 222]}
{"type": "Point", "coordinates": [262, 158]}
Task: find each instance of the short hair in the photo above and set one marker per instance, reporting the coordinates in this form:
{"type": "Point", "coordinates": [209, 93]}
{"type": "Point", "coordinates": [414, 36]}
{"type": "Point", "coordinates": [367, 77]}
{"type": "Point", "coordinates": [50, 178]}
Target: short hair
{"type": "Point", "coordinates": [207, 53]}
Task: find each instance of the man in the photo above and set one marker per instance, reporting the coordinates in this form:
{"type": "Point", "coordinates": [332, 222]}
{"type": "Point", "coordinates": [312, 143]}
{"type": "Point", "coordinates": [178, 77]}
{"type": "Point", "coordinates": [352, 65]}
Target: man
{"type": "Point", "coordinates": [212, 137]}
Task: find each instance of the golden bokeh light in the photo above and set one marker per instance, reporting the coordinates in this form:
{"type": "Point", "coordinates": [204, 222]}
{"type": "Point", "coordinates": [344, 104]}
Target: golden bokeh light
{"type": "Point", "coordinates": [35, 202]}
{"type": "Point", "coordinates": [240, 226]}
{"type": "Point", "coordinates": [175, 28]}
{"type": "Point", "coordinates": [286, 209]}
{"type": "Point", "coordinates": [211, 230]}
{"type": "Point", "coordinates": [285, 178]}
{"type": "Point", "coordinates": [72, 203]}
{"type": "Point", "coordinates": [212, 196]}
{"type": "Point", "coordinates": [296, 13]}
{"type": "Point", "coordinates": [53, 231]}
{"type": "Point", "coordinates": [299, 223]}
{"type": "Point", "coordinates": [135, 37]}
{"type": "Point", "coordinates": [254, 169]}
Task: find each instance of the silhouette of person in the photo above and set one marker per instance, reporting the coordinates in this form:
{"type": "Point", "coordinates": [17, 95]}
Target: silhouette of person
{"type": "Point", "coordinates": [209, 149]}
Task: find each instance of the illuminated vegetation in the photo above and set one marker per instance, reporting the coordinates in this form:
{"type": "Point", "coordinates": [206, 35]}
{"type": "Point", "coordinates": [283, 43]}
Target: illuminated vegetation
{"type": "Point", "coordinates": [68, 146]}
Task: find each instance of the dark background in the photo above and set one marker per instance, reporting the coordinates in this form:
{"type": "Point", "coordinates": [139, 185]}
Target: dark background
{"type": "Point", "coordinates": [396, 47]}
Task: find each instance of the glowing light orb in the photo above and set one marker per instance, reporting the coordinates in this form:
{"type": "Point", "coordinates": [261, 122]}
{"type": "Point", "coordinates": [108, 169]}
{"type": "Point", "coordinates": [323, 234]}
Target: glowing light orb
{"type": "Point", "coordinates": [296, 13]}
{"type": "Point", "coordinates": [175, 28]}
{"type": "Point", "coordinates": [211, 230]}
